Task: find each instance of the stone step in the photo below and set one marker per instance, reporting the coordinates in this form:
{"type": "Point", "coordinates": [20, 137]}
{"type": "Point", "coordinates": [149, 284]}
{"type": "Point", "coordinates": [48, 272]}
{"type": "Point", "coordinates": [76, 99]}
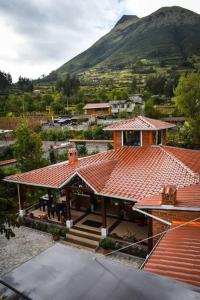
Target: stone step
{"type": "Point", "coordinates": [72, 244]}
{"type": "Point", "coordinates": [82, 241]}
{"type": "Point", "coordinates": [98, 233]}
{"type": "Point", "coordinates": [81, 233]}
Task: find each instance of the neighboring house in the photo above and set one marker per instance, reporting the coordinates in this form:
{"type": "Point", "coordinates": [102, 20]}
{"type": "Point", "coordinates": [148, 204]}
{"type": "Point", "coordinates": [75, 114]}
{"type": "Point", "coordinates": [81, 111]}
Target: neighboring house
{"type": "Point", "coordinates": [7, 163]}
{"type": "Point", "coordinates": [92, 145]}
{"type": "Point", "coordinates": [175, 120]}
{"type": "Point", "coordinates": [97, 109]}
{"type": "Point", "coordinates": [122, 105]}
{"type": "Point", "coordinates": [114, 107]}
{"type": "Point", "coordinates": [141, 181]}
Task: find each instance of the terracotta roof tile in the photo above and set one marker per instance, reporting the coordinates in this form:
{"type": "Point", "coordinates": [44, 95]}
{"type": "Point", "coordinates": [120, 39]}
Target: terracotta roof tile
{"type": "Point", "coordinates": [178, 254]}
{"type": "Point", "coordinates": [190, 158]}
{"type": "Point", "coordinates": [140, 123]}
{"type": "Point", "coordinates": [129, 172]}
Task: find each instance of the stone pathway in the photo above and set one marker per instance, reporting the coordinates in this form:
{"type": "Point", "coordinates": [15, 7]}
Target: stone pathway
{"type": "Point", "coordinates": [26, 244]}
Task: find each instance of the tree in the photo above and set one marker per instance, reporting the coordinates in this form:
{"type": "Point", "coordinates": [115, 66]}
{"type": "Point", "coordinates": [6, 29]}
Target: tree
{"type": "Point", "coordinates": [52, 155]}
{"type": "Point", "coordinates": [155, 84]}
{"type": "Point", "coordinates": [8, 217]}
{"type": "Point", "coordinates": [5, 81]}
{"type": "Point", "coordinates": [133, 85]}
{"type": "Point", "coordinates": [187, 99]}
{"type": "Point", "coordinates": [150, 110]}
{"type": "Point", "coordinates": [69, 86]}
{"type": "Point", "coordinates": [28, 148]}
{"type": "Point", "coordinates": [25, 84]}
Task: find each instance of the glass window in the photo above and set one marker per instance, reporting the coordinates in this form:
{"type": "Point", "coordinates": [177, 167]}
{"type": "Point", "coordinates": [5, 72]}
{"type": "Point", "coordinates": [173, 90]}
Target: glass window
{"type": "Point", "coordinates": [159, 141]}
{"type": "Point", "coordinates": [131, 138]}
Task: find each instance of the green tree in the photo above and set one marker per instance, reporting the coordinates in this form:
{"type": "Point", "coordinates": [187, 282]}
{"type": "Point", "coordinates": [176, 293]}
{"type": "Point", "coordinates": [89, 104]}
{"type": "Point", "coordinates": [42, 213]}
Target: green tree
{"type": "Point", "coordinates": [57, 107]}
{"type": "Point", "coordinates": [155, 84]}
{"type": "Point", "coordinates": [52, 155]}
{"type": "Point", "coordinates": [8, 217]}
{"type": "Point", "coordinates": [25, 84]}
{"type": "Point", "coordinates": [133, 85]}
{"type": "Point", "coordinates": [28, 148]}
{"type": "Point", "coordinates": [5, 81]}
{"type": "Point", "coordinates": [150, 110]}
{"type": "Point", "coordinates": [187, 99]}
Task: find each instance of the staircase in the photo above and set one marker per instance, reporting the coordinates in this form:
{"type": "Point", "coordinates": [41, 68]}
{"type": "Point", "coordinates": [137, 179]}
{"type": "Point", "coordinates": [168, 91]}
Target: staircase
{"type": "Point", "coordinates": [86, 238]}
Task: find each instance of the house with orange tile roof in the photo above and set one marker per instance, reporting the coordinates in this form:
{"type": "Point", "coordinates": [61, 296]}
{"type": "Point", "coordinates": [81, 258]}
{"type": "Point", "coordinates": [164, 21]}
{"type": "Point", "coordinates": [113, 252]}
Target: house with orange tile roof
{"type": "Point", "coordinates": [139, 188]}
{"type": "Point", "coordinates": [97, 109]}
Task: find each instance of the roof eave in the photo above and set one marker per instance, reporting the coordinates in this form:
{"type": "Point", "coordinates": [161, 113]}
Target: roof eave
{"type": "Point", "coordinates": [32, 184]}
{"type": "Point", "coordinates": [137, 129]}
{"type": "Point", "coordinates": [169, 207]}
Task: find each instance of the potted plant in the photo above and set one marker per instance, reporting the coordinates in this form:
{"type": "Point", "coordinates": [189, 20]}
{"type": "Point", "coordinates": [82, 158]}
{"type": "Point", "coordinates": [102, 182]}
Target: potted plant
{"type": "Point", "coordinates": [107, 244]}
{"type": "Point", "coordinates": [63, 232]}
{"type": "Point", "coordinates": [55, 232]}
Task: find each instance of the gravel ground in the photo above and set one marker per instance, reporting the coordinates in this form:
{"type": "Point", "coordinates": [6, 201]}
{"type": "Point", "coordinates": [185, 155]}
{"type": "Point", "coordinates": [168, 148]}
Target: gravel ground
{"type": "Point", "coordinates": [26, 244]}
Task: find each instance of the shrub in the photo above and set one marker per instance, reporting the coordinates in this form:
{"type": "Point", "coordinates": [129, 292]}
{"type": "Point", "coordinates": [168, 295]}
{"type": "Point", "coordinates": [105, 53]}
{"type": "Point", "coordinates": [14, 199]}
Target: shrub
{"type": "Point", "coordinates": [107, 243]}
{"type": "Point", "coordinates": [63, 232]}
{"type": "Point", "coordinates": [54, 230]}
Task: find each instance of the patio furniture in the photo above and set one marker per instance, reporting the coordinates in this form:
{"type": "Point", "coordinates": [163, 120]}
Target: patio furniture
{"type": "Point", "coordinates": [43, 216]}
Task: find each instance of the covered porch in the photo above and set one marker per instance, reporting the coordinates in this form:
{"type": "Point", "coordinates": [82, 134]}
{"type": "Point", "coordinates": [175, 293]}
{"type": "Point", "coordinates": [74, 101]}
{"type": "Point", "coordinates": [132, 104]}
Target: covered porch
{"type": "Point", "coordinates": [76, 205]}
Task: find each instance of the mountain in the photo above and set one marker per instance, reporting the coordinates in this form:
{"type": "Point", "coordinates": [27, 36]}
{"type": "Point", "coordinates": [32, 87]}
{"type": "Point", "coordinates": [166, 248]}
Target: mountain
{"type": "Point", "coordinates": [170, 35]}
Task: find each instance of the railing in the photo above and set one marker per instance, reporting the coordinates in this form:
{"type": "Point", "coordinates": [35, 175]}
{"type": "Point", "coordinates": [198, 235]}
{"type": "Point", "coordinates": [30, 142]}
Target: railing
{"type": "Point", "coordinates": [9, 292]}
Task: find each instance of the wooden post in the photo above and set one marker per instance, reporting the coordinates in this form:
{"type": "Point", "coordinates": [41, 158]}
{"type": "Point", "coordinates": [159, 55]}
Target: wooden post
{"type": "Point", "coordinates": [21, 197]}
{"type": "Point", "coordinates": [104, 231]}
{"type": "Point", "coordinates": [49, 203]}
{"type": "Point", "coordinates": [69, 221]}
{"type": "Point", "coordinates": [68, 208]}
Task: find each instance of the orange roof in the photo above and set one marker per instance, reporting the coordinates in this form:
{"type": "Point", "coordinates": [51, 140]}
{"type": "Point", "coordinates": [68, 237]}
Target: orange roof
{"type": "Point", "coordinates": [178, 254]}
{"type": "Point", "coordinates": [130, 172]}
{"type": "Point", "coordinates": [140, 123]}
{"type": "Point", "coordinates": [96, 105]}
{"type": "Point", "coordinates": [189, 157]}
{"type": "Point", "coordinates": [188, 196]}
{"type": "Point", "coordinates": [7, 162]}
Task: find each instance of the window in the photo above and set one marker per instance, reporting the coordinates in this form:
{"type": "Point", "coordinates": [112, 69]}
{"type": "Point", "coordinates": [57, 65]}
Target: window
{"type": "Point", "coordinates": [159, 140]}
{"type": "Point", "coordinates": [131, 138]}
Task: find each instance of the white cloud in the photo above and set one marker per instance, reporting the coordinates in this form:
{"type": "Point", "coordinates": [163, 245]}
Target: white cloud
{"type": "Point", "coordinates": [39, 36]}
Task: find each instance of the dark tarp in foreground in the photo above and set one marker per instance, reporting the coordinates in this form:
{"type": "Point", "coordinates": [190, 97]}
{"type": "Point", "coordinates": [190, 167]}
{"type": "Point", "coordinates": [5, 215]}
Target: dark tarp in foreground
{"type": "Point", "coordinates": [62, 273]}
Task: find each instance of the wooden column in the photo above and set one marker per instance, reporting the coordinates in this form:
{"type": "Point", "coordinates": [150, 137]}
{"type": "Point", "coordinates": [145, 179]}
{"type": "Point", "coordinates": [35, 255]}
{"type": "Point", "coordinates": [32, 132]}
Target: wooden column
{"type": "Point", "coordinates": [68, 208]}
{"type": "Point", "coordinates": [21, 197]}
{"type": "Point", "coordinates": [103, 211]}
{"type": "Point", "coordinates": [49, 203]}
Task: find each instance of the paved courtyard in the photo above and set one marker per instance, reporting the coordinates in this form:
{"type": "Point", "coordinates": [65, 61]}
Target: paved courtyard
{"type": "Point", "coordinates": [26, 244]}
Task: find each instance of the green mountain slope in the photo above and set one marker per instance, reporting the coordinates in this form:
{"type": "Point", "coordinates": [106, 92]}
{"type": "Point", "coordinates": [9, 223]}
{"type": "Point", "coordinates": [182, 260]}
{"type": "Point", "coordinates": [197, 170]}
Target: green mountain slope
{"type": "Point", "coordinates": [171, 34]}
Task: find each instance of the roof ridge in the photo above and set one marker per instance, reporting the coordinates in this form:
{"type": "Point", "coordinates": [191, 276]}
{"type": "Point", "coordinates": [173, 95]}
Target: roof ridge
{"type": "Point", "coordinates": [144, 119]}
{"type": "Point", "coordinates": [96, 163]}
{"type": "Point", "coordinates": [181, 163]}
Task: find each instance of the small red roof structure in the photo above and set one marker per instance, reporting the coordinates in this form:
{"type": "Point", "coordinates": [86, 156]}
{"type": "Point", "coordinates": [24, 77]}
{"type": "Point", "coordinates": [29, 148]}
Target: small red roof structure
{"type": "Point", "coordinates": [130, 173]}
{"type": "Point", "coordinates": [139, 123]}
{"type": "Point", "coordinates": [188, 196]}
{"type": "Point", "coordinates": [178, 254]}
{"type": "Point", "coordinates": [7, 162]}
{"type": "Point", "coordinates": [97, 105]}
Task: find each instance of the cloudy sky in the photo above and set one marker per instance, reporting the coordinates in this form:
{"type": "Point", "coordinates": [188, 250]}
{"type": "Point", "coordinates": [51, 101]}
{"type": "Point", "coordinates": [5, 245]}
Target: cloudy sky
{"type": "Point", "coordinates": [38, 36]}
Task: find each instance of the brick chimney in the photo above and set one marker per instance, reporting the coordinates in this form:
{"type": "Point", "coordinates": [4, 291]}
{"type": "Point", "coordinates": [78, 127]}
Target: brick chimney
{"type": "Point", "coordinates": [72, 155]}
{"type": "Point", "coordinates": [169, 195]}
